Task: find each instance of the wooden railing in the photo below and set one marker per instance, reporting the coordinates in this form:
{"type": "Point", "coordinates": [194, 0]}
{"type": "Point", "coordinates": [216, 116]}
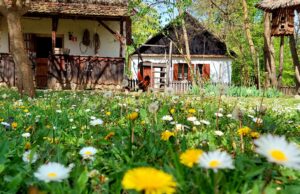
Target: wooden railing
{"type": "Point", "coordinates": [288, 90]}
{"type": "Point", "coordinates": [181, 86]}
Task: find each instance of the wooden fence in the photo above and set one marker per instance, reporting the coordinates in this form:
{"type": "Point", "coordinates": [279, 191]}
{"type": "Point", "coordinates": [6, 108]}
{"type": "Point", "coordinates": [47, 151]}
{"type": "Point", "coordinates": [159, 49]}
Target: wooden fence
{"type": "Point", "coordinates": [288, 90]}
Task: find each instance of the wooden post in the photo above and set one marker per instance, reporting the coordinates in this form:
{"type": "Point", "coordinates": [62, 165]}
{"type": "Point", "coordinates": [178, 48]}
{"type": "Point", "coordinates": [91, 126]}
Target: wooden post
{"type": "Point", "coordinates": [54, 30]}
{"type": "Point", "coordinates": [122, 34]}
{"type": "Point", "coordinates": [169, 64]}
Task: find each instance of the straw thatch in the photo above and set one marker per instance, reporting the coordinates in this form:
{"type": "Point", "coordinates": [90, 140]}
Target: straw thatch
{"type": "Point", "coordinates": [269, 5]}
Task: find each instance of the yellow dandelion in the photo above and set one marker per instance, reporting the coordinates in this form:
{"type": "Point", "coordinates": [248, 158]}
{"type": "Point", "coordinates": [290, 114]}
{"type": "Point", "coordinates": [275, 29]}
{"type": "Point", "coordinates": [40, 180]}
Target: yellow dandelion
{"type": "Point", "coordinates": [190, 157]}
{"type": "Point", "coordinates": [27, 146]}
{"type": "Point", "coordinates": [143, 122]}
{"type": "Point", "coordinates": [244, 131]}
{"type": "Point", "coordinates": [166, 135]}
{"type": "Point", "coordinates": [149, 181]}
{"type": "Point", "coordinates": [14, 125]}
{"type": "Point", "coordinates": [254, 134]}
{"type": "Point", "coordinates": [108, 113]}
{"type": "Point", "coordinates": [172, 111]}
{"type": "Point", "coordinates": [26, 110]}
{"type": "Point", "coordinates": [192, 111]}
{"type": "Point", "coordinates": [133, 116]}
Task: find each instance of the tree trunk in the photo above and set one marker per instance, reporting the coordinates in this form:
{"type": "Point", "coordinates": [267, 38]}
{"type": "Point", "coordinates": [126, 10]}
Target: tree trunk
{"type": "Point", "coordinates": [24, 70]}
{"type": "Point", "coordinates": [296, 62]}
{"type": "Point", "coordinates": [251, 43]}
{"type": "Point", "coordinates": [281, 61]}
{"type": "Point", "coordinates": [271, 79]}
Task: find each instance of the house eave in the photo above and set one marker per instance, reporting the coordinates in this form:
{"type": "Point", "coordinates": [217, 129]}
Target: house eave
{"type": "Point", "coordinates": [183, 56]}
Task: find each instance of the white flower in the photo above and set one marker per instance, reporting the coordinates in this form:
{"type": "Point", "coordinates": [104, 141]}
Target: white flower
{"type": "Point", "coordinates": [58, 111]}
{"type": "Point", "coordinates": [153, 107]}
{"type": "Point", "coordinates": [179, 127]}
{"type": "Point", "coordinates": [218, 114]}
{"type": "Point", "coordinates": [278, 150]}
{"type": "Point", "coordinates": [88, 152]}
{"type": "Point", "coordinates": [93, 118]}
{"type": "Point", "coordinates": [96, 122]}
{"type": "Point", "coordinates": [257, 120]}
{"type": "Point", "coordinates": [26, 135]}
{"type": "Point", "coordinates": [52, 172]}
{"type": "Point", "coordinates": [28, 157]}
{"type": "Point", "coordinates": [197, 123]}
{"type": "Point", "coordinates": [229, 115]}
{"type": "Point", "coordinates": [71, 120]}
{"type": "Point", "coordinates": [216, 160]}
{"type": "Point", "coordinates": [167, 118]}
{"type": "Point", "coordinates": [87, 110]}
{"type": "Point", "coordinates": [219, 133]}
{"type": "Point", "coordinates": [192, 119]}
{"type": "Point", "coordinates": [5, 124]}
{"type": "Point", "coordinates": [4, 96]}
{"type": "Point", "coordinates": [205, 122]}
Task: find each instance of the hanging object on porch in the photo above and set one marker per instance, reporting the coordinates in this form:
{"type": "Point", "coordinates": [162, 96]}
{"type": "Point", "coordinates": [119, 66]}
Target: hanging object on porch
{"type": "Point", "coordinates": [96, 41]}
{"type": "Point", "coordinates": [86, 40]}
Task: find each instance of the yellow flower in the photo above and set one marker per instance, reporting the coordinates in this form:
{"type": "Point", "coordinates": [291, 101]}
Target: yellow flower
{"type": "Point", "coordinates": [48, 126]}
{"type": "Point", "coordinates": [133, 116]}
{"type": "Point", "coordinates": [254, 135]}
{"type": "Point", "coordinates": [244, 131]}
{"type": "Point", "coordinates": [109, 136]}
{"type": "Point", "coordinates": [1, 120]}
{"type": "Point", "coordinates": [172, 111]}
{"type": "Point", "coordinates": [143, 122]}
{"type": "Point", "coordinates": [149, 181]}
{"type": "Point", "coordinates": [28, 128]}
{"type": "Point", "coordinates": [14, 125]}
{"type": "Point", "coordinates": [166, 135]}
{"type": "Point", "coordinates": [26, 110]}
{"type": "Point", "coordinates": [192, 111]}
{"type": "Point", "coordinates": [190, 157]}
{"type": "Point", "coordinates": [108, 113]}
{"type": "Point", "coordinates": [27, 146]}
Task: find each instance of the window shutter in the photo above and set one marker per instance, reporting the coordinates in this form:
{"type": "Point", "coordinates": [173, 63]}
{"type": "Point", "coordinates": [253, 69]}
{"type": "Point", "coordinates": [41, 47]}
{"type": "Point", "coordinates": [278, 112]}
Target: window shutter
{"type": "Point", "coordinates": [175, 71]}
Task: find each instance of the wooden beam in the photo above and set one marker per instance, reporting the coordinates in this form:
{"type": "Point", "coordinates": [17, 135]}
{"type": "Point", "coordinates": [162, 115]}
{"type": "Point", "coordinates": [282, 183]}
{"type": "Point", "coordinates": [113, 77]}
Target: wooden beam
{"type": "Point", "coordinates": [54, 30]}
{"type": "Point", "coordinates": [121, 45]}
{"type": "Point", "coordinates": [118, 36]}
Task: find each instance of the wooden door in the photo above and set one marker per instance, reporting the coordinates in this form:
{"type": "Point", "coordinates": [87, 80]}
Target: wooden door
{"type": "Point", "coordinates": [41, 74]}
{"type": "Point", "coordinates": [147, 72]}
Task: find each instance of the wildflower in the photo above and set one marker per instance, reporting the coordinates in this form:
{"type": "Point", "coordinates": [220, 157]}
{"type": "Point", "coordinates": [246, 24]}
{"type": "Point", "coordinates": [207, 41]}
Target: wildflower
{"type": "Point", "coordinates": [167, 118]}
{"type": "Point", "coordinates": [58, 111]}
{"type": "Point", "coordinates": [229, 115]}
{"type": "Point", "coordinates": [216, 160]}
{"type": "Point", "coordinates": [190, 157]}
{"type": "Point", "coordinates": [205, 122]}
{"type": "Point", "coordinates": [166, 135]}
{"type": "Point", "coordinates": [28, 128]}
{"type": "Point", "coordinates": [26, 110]}
{"type": "Point", "coordinates": [153, 107]}
{"type": "Point", "coordinates": [14, 125]}
{"type": "Point", "coordinates": [5, 124]}
{"type": "Point", "coordinates": [109, 136]}
{"type": "Point", "coordinates": [26, 135]}
{"type": "Point", "coordinates": [94, 173]}
{"type": "Point", "coordinates": [27, 146]}
{"type": "Point", "coordinates": [192, 119]}
{"type": "Point", "coordinates": [28, 157]}
{"type": "Point", "coordinates": [218, 114]}
{"type": "Point", "coordinates": [149, 180]}
{"type": "Point", "coordinates": [179, 127]}
{"type": "Point", "coordinates": [219, 133]}
{"type": "Point", "coordinates": [108, 113]}
{"type": "Point", "coordinates": [133, 116]}
{"type": "Point", "coordinates": [257, 120]}
{"type": "Point", "coordinates": [278, 150]}
{"type": "Point", "coordinates": [244, 131]}
{"type": "Point", "coordinates": [88, 152]}
{"type": "Point", "coordinates": [172, 111]}
{"type": "Point", "coordinates": [192, 111]}
{"type": "Point", "coordinates": [52, 172]}
{"type": "Point", "coordinates": [254, 134]}
{"type": "Point", "coordinates": [96, 122]}
{"type": "Point", "coordinates": [197, 123]}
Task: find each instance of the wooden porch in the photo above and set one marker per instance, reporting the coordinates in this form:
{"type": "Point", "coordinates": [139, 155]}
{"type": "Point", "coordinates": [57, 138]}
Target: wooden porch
{"type": "Point", "coordinates": [67, 71]}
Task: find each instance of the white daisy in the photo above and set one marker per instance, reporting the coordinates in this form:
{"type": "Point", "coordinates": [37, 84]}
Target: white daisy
{"type": "Point", "coordinates": [219, 133]}
{"type": "Point", "coordinates": [192, 119]}
{"type": "Point", "coordinates": [95, 122]}
{"type": "Point", "coordinates": [28, 157]}
{"type": "Point", "coordinates": [216, 160]}
{"type": "Point", "coordinates": [218, 114]}
{"type": "Point", "coordinates": [257, 120]}
{"type": "Point", "coordinates": [167, 118]}
{"type": "Point", "coordinates": [88, 152]}
{"type": "Point", "coordinates": [205, 122]}
{"type": "Point", "coordinates": [26, 135]}
{"type": "Point", "coordinates": [197, 123]}
{"type": "Point", "coordinates": [58, 111]}
{"type": "Point", "coordinates": [52, 172]}
{"type": "Point", "coordinates": [5, 124]}
{"type": "Point", "coordinates": [278, 150]}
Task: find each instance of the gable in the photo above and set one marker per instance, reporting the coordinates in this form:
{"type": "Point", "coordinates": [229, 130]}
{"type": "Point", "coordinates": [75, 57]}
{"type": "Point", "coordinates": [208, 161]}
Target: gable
{"type": "Point", "coordinates": [201, 41]}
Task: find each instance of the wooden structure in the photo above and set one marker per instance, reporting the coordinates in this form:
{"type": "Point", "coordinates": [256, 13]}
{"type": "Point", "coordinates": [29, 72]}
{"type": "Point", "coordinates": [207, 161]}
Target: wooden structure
{"type": "Point", "coordinates": [161, 58]}
{"type": "Point", "coordinates": [54, 33]}
{"type": "Point", "coordinates": [282, 15]}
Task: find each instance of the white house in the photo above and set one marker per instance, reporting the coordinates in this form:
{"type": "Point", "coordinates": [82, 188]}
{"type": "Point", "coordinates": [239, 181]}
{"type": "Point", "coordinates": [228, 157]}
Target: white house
{"type": "Point", "coordinates": [210, 59]}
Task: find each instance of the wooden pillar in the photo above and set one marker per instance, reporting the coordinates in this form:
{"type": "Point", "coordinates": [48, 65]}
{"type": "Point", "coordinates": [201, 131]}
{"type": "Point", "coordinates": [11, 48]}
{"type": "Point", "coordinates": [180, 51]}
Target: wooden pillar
{"type": "Point", "coordinates": [122, 34]}
{"type": "Point", "coordinates": [54, 30]}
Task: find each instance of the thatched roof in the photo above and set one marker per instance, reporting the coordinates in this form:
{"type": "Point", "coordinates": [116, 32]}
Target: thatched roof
{"type": "Point", "coordinates": [269, 5]}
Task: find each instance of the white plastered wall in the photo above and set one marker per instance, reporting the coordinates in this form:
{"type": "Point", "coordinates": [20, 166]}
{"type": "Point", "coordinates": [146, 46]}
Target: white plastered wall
{"type": "Point", "coordinates": [220, 68]}
{"type": "Point", "coordinates": [109, 46]}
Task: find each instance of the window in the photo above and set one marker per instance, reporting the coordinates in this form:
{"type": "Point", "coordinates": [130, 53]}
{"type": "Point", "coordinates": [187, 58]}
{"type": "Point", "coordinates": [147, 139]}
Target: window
{"type": "Point", "coordinates": [183, 71]}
